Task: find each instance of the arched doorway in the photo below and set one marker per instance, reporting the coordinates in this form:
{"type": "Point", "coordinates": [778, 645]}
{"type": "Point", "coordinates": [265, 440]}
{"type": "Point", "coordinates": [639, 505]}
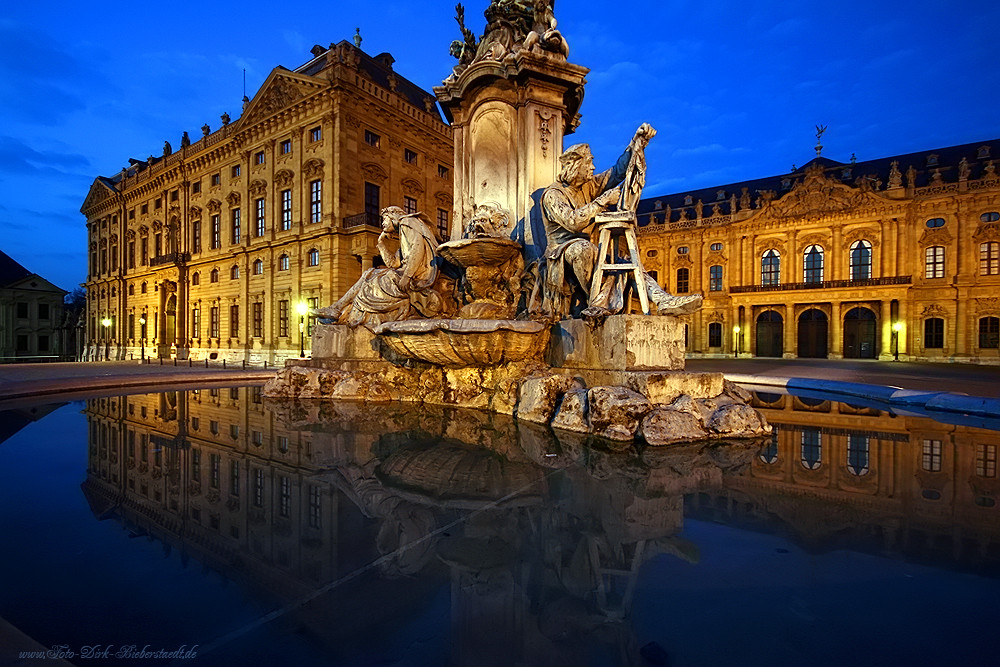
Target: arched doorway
{"type": "Point", "coordinates": [813, 334]}
{"type": "Point", "coordinates": [770, 334]}
{"type": "Point", "coordinates": [859, 334]}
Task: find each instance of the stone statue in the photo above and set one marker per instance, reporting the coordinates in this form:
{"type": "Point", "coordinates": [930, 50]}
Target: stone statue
{"type": "Point", "coordinates": [895, 177]}
{"type": "Point", "coordinates": [206, 130]}
{"type": "Point", "coordinates": [225, 119]}
{"type": "Point", "coordinates": [964, 170]}
{"type": "Point", "coordinates": [745, 199]}
{"type": "Point", "coordinates": [185, 140]}
{"type": "Point", "coordinates": [405, 287]}
{"type": "Point", "coordinates": [167, 149]}
{"type": "Point", "coordinates": [568, 207]}
{"type": "Point", "coordinates": [911, 177]}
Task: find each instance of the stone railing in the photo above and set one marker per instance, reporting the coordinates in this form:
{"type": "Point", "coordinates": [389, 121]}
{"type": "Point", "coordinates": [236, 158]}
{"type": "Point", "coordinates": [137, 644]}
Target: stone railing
{"type": "Point", "coordinates": [366, 219]}
{"type": "Point", "coordinates": [170, 258]}
{"type": "Point", "coordinates": [826, 284]}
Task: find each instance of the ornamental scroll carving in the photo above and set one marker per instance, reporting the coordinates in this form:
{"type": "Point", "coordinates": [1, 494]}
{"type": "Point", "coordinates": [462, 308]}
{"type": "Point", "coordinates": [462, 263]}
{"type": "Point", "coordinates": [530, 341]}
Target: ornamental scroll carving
{"type": "Point", "coordinates": [988, 306]}
{"type": "Point", "coordinates": [258, 188]}
{"type": "Point", "coordinates": [870, 235]}
{"type": "Point", "coordinates": [987, 232]}
{"type": "Point", "coordinates": [195, 212]}
{"type": "Point", "coordinates": [374, 173]}
{"type": "Point", "coordinates": [545, 130]}
{"type": "Point", "coordinates": [214, 206]}
{"type": "Point", "coordinates": [284, 178]}
{"type": "Point", "coordinates": [281, 94]}
{"type": "Point", "coordinates": [938, 236]}
{"type": "Point", "coordinates": [817, 194]}
{"type": "Point", "coordinates": [233, 199]}
{"type": "Point", "coordinates": [313, 168]}
{"type": "Point", "coordinates": [771, 244]}
{"type": "Point", "coordinates": [442, 198]}
{"type": "Point", "coordinates": [933, 310]}
{"type": "Point", "coordinates": [813, 239]}
{"type": "Point", "coordinates": [412, 187]}
{"type": "Point", "coordinates": [717, 316]}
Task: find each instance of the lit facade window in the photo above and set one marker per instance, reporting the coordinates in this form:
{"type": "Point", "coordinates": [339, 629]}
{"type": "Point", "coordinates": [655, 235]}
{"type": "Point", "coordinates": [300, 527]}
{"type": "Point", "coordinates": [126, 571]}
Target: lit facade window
{"type": "Point", "coordinates": [283, 263]}
{"type": "Point", "coordinates": [261, 216]}
{"type": "Point", "coordinates": [861, 260]}
{"type": "Point", "coordinates": [989, 333]}
{"type": "Point", "coordinates": [286, 210]}
{"type": "Point", "coordinates": [409, 204]}
{"type": "Point", "coordinates": [715, 278]}
{"type": "Point", "coordinates": [683, 280]}
{"type": "Point", "coordinates": [769, 454]}
{"type": "Point", "coordinates": [258, 267]}
{"type": "Point", "coordinates": [372, 139]}
{"type": "Point", "coordinates": [989, 259]}
{"type": "Point", "coordinates": [986, 461]}
{"type": "Point", "coordinates": [858, 453]}
{"type": "Point", "coordinates": [216, 236]}
{"type": "Point", "coordinates": [813, 264]}
{"type": "Point", "coordinates": [770, 268]}
{"type": "Point", "coordinates": [286, 146]}
{"type": "Point", "coordinates": [315, 134]}
{"type": "Point", "coordinates": [931, 456]}
{"type": "Point", "coordinates": [315, 201]}
{"type": "Point", "coordinates": [934, 262]}
{"type": "Point", "coordinates": [313, 257]}
{"type": "Point", "coordinates": [442, 224]}
{"type": "Point", "coordinates": [409, 156]}
{"type": "Point", "coordinates": [811, 448]}
{"type": "Point", "coordinates": [234, 233]}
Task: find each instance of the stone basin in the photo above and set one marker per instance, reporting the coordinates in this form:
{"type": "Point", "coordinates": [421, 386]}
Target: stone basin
{"type": "Point", "coordinates": [482, 251]}
{"type": "Point", "coordinates": [466, 342]}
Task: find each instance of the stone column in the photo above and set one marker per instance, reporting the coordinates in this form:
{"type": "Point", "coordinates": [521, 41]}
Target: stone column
{"type": "Point", "coordinates": [791, 332]}
{"type": "Point", "coordinates": [885, 329]}
{"type": "Point", "coordinates": [836, 332]}
{"type": "Point", "coordinates": [838, 255]}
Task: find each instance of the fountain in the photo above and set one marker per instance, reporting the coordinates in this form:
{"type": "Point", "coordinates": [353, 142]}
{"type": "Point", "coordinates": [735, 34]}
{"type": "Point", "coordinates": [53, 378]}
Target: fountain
{"type": "Point", "coordinates": [523, 313]}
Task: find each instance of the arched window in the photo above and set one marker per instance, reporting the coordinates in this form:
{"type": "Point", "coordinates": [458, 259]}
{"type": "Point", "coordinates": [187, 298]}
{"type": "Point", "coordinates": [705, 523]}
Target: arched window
{"type": "Point", "coordinates": [131, 290]}
{"type": "Point", "coordinates": [813, 264]}
{"type": "Point", "coordinates": [258, 267]}
{"type": "Point", "coordinates": [934, 262]}
{"type": "Point", "coordinates": [861, 260]}
{"type": "Point", "coordinates": [992, 216]}
{"type": "Point", "coordinates": [195, 278]}
{"type": "Point", "coordinates": [715, 334]}
{"type": "Point", "coordinates": [142, 288]}
{"type": "Point", "coordinates": [313, 257]}
{"type": "Point", "coordinates": [770, 268]}
{"type": "Point", "coordinates": [769, 454]}
{"type": "Point", "coordinates": [715, 278]}
{"type": "Point", "coordinates": [989, 259]}
{"type": "Point", "coordinates": [934, 333]}
{"type": "Point", "coordinates": [234, 273]}
{"type": "Point", "coordinates": [989, 333]}
{"type": "Point", "coordinates": [857, 454]}
{"type": "Point", "coordinates": [214, 276]}
{"type": "Point", "coordinates": [683, 282]}
{"type": "Point", "coordinates": [812, 448]}
{"type": "Point", "coordinates": [283, 263]}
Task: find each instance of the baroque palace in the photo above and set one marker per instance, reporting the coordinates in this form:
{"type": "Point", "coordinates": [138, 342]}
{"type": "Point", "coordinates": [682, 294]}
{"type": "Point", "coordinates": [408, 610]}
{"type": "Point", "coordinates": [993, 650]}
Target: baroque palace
{"type": "Point", "coordinates": [216, 250]}
{"type": "Point", "coordinates": [891, 258]}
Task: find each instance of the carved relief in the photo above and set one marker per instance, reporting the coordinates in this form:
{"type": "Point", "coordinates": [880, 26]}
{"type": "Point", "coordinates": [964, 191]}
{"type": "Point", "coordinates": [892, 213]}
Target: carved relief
{"type": "Point", "coordinates": [987, 232]}
{"type": "Point", "coordinates": [313, 168]}
{"type": "Point", "coordinates": [157, 225]}
{"type": "Point", "coordinates": [214, 206]}
{"type": "Point", "coordinates": [284, 178]}
{"type": "Point", "coordinates": [544, 130]}
{"type": "Point", "coordinates": [938, 236]}
{"type": "Point", "coordinates": [813, 239]}
{"type": "Point", "coordinates": [717, 316]}
{"type": "Point", "coordinates": [195, 212]}
{"type": "Point", "coordinates": [870, 235]}
{"type": "Point", "coordinates": [412, 187]}
{"type": "Point", "coordinates": [143, 230]}
{"type": "Point", "coordinates": [933, 310]}
{"type": "Point", "coordinates": [374, 172]}
{"type": "Point", "coordinates": [815, 194]}
{"type": "Point", "coordinates": [281, 94]}
{"type": "Point", "coordinates": [233, 199]}
{"type": "Point", "coordinates": [442, 198]}
{"type": "Point", "coordinates": [353, 121]}
{"type": "Point", "coordinates": [258, 188]}
{"type": "Point", "coordinates": [771, 244]}
{"type": "Point", "coordinates": [988, 306]}
{"type": "Point", "coordinates": [130, 235]}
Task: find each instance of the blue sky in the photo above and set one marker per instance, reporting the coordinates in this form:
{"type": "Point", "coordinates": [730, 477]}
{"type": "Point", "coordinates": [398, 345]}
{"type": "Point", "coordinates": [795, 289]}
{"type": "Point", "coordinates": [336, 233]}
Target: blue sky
{"type": "Point", "coordinates": [735, 89]}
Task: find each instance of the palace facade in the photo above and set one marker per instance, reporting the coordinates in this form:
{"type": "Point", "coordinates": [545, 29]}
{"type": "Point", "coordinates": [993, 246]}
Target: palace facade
{"type": "Point", "coordinates": [32, 325]}
{"type": "Point", "coordinates": [213, 251]}
{"type": "Point", "coordinates": [891, 258]}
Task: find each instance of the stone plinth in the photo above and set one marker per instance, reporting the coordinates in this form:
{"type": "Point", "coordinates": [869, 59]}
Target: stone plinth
{"type": "Point", "coordinates": [341, 342]}
{"type": "Point", "coordinates": [620, 343]}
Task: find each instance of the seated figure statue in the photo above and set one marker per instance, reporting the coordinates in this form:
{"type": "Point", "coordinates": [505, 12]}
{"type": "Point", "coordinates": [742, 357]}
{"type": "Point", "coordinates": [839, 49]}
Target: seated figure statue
{"type": "Point", "coordinates": [568, 207]}
{"type": "Point", "coordinates": [406, 287]}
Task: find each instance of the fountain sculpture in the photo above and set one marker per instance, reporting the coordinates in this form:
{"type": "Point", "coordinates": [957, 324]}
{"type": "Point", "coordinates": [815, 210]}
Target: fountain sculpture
{"type": "Point", "coordinates": [523, 313]}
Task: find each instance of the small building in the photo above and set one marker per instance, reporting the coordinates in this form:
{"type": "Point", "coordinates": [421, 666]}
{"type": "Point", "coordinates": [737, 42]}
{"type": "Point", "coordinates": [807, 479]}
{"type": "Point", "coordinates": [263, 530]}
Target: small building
{"type": "Point", "coordinates": [31, 315]}
{"type": "Point", "coordinates": [894, 257]}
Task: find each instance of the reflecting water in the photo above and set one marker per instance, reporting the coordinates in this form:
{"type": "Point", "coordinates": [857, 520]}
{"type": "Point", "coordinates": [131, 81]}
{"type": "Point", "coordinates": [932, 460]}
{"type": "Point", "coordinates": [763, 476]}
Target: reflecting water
{"type": "Point", "coordinates": [308, 533]}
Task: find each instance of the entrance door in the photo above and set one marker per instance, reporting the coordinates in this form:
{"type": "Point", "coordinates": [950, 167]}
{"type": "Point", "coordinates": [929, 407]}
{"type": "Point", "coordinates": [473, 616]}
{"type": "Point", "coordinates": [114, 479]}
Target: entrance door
{"type": "Point", "coordinates": [859, 334]}
{"type": "Point", "coordinates": [770, 334]}
{"type": "Point", "coordinates": [813, 334]}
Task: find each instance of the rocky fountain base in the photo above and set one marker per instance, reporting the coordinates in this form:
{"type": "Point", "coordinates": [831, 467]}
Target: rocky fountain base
{"type": "Point", "coordinates": [620, 380]}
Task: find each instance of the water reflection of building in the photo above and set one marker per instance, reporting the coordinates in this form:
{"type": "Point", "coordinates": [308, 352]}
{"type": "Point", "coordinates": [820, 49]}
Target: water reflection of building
{"type": "Point", "coordinates": [833, 472]}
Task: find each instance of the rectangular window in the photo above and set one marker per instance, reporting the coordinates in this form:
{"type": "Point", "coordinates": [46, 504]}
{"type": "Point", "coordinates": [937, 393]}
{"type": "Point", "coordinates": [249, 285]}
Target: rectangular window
{"type": "Point", "coordinates": [286, 210]}
{"type": "Point", "coordinates": [409, 204]}
{"type": "Point", "coordinates": [144, 209]}
{"type": "Point", "coordinates": [216, 179]}
{"type": "Point", "coordinates": [22, 309]}
{"type": "Point", "coordinates": [409, 156]}
{"type": "Point", "coordinates": [258, 487]}
{"type": "Point", "coordinates": [315, 134]}
{"type": "Point", "coordinates": [259, 214]}
{"type": "Point", "coordinates": [215, 470]}
{"type": "Point", "coordinates": [258, 157]}
{"type": "Point", "coordinates": [144, 250]}
{"type": "Point", "coordinates": [43, 343]}
{"type": "Point", "coordinates": [131, 326]}
{"type": "Point", "coordinates": [196, 464]}
{"type": "Point", "coordinates": [286, 146]}
{"type": "Point", "coordinates": [196, 187]}
{"type": "Point", "coordinates": [372, 199]}
{"type": "Point", "coordinates": [283, 318]}
{"type": "Point", "coordinates": [934, 333]}
{"type": "Point", "coordinates": [442, 220]}
{"type": "Point", "coordinates": [315, 201]}
{"type": "Point", "coordinates": [196, 322]}
{"type": "Point", "coordinates": [175, 195]}
{"type": "Point", "coordinates": [216, 241]}
{"type": "Point", "coordinates": [715, 334]}
{"type": "Point", "coordinates": [234, 236]}
{"type": "Point", "coordinates": [234, 321]}
{"type": "Point", "coordinates": [989, 332]}
{"type": "Point", "coordinates": [43, 311]}
{"type": "Point", "coordinates": [683, 281]}
{"type": "Point", "coordinates": [934, 262]}
{"type": "Point", "coordinates": [131, 254]}
{"type": "Point", "coordinates": [715, 278]}
{"type": "Point", "coordinates": [196, 236]}
{"type": "Point", "coordinates": [986, 460]}
{"type": "Point", "coordinates": [313, 303]}
{"type": "Point", "coordinates": [989, 259]}
{"type": "Point", "coordinates": [315, 506]}
{"type": "Point", "coordinates": [442, 171]}
{"type": "Point", "coordinates": [234, 478]}
{"type": "Point", "coordinates": [213, 322]}
{"type": "Point", "coordinates": [931, 460]}
{"type": "Point", "coordinates": [258, 319]}
{"type": "Point", "coordinates": [285, 497]}
{"type": "Point", "coordinates": [235, 171]}
{"type": "Point", "coordinates": [157, 244]}
{"type": "Point", "coordinates": [372, 139]}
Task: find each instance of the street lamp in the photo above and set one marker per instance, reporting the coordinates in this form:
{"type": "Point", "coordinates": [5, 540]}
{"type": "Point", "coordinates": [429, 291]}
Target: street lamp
{"type": "Point", "coordinates": [302, 308]}
{"type": "Point", "coordinates": [106, 323]}
{"type": "Point", "coordinates": [736, 341]}
{"type": "Point", "coordinates": [142, 340]}
{"type": "Point", "coordinates": [896, 328]}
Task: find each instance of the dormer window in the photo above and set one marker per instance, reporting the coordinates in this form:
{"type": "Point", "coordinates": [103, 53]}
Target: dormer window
{"type": "Point", "coordinates": [688, 200]}
{"type": "Point", "coordinates": [786, 183]}
{"type": "Point", "coordinates": [983, 153]}
{"type": "Point", "coordinates": [720, 195]}
{"type": "Point", "coordinates": [932, 160]}
{"type": "Point", "coordinates": [657, 205]}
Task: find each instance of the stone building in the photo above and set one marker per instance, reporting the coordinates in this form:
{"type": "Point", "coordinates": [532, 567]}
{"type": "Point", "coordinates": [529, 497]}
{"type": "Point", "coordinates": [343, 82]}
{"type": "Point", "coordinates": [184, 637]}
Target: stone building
{"type": "Point", "coordinates": [31, 314]}
{"type": "Point", "coordinates": [896, 256]}
{"type": "Point", "coordinates": [210, 251]}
